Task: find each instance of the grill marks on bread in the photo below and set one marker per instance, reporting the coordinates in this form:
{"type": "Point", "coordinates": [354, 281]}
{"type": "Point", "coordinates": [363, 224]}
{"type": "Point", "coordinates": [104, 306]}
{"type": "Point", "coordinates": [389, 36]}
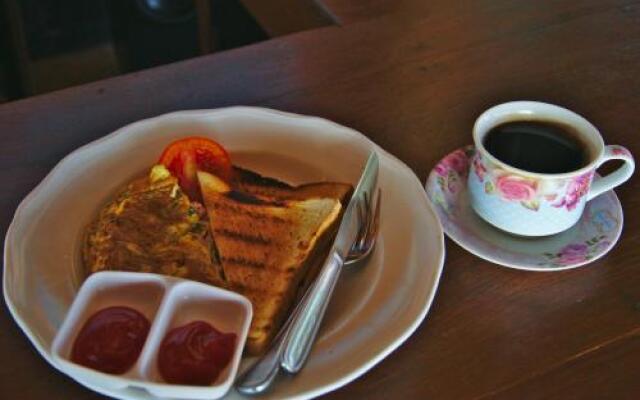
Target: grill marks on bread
{"type": "Point", "coordinates": [265, 240]}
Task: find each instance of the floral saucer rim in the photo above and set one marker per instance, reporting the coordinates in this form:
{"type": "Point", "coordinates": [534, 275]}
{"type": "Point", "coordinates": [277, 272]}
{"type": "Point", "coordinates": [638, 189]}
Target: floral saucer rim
{"type": "Point", "coordinates": [593, 236]}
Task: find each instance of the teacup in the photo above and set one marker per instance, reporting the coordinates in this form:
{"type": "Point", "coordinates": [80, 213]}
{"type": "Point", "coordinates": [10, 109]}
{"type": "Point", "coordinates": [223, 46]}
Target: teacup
{"type": "Point", "coordinates": [530, 203]}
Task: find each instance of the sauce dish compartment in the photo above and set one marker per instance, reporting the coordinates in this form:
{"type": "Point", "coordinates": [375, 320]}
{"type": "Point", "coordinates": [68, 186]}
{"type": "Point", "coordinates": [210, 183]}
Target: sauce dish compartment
{"type": "Point", "coordinates": [186, 302]}
{"type": "Point", "coordinates": [167, 302]}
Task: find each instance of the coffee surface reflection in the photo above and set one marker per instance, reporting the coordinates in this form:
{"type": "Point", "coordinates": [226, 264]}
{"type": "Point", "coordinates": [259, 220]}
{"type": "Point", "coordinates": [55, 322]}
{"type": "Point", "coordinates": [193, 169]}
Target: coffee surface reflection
{"type": "Point", "coordinates": [537, 146]}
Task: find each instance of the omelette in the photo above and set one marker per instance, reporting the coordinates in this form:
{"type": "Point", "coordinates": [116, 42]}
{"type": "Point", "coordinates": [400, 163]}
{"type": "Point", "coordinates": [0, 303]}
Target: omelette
{"type": "Point", "coordinates": [152, 226]}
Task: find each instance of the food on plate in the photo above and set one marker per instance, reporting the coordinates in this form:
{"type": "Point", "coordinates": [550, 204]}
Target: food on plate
{"type": "Point", "coordinates": [236, 229]}
{"type": "Point", "coordinates": [152, 226]}
{"type": "Point", "coordinates": [195, 354]}
{"type": "Point", "coordinates": [111, 340]}
{"type": "Point", "coordinates": [267, 245]}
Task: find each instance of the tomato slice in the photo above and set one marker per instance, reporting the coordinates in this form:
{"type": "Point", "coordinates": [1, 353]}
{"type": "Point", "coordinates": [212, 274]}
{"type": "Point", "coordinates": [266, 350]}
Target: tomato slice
{"type": "Point", "coordinates": [186, 156]}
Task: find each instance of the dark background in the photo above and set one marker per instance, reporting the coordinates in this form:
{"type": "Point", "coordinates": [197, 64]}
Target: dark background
{"type": "Point", "coordinates": [47, 45]}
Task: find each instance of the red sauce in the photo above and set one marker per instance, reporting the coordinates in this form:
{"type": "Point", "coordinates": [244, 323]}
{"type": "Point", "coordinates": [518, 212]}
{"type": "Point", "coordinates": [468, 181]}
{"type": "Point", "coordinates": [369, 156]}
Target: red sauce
{"type": "Point", "coordinates": [111, 340]}
{"type": "Point", "coordinates": [195, 354]}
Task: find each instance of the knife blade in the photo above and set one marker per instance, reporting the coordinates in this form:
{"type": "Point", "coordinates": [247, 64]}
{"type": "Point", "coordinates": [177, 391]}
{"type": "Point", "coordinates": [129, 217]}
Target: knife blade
{"type": "Point", "coordinates": [310, 312]}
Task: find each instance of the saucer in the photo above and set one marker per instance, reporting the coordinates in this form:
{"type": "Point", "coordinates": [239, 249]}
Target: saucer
{"type": "Point", "coordinates": [590, 238]}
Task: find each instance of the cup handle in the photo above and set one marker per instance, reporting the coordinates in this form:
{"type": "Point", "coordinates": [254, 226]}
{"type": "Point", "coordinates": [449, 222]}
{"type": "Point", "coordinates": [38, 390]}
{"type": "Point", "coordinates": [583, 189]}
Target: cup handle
{"type": "Point", "coordinates": [617, 177]}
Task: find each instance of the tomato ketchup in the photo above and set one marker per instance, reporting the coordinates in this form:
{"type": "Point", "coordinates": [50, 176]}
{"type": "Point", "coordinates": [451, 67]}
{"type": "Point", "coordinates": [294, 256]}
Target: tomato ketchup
{"type": "Point", "coordinates": [195, 354]}
{"type": "Point", "coordinates": [111, 340]}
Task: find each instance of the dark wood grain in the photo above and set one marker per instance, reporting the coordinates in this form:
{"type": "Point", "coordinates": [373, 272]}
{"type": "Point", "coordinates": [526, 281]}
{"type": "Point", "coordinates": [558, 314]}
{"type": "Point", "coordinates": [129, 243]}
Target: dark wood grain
{"type": "Point", "coordinates": [413, 79]}
{"type": "Point", "coordinates": [582, 377]}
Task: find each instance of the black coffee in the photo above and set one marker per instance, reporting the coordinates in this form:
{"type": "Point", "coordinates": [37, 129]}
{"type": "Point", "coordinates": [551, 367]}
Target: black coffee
{"type": "Point", "coordinates": [537, 146]}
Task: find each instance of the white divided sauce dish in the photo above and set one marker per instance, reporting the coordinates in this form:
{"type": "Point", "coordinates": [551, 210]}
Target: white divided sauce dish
{"type": "Point", "coordinates": [167, 303]}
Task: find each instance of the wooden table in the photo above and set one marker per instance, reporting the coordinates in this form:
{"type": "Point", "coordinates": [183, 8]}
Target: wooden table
{"type": "Point", "coordinates": [413, 76]}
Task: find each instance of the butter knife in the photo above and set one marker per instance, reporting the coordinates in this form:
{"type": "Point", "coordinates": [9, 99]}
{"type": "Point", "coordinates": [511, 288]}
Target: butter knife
{"type": "Point", "coordinates": [310, 311]}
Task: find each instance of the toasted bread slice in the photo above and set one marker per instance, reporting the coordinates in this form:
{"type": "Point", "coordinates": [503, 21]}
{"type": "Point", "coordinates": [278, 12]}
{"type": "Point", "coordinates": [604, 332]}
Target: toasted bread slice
{"type": "Point", "coordinates": [267, 238]}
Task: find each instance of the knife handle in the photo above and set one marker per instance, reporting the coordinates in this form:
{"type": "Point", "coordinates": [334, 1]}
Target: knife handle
{"type": "Point", "coordinates": [307, 319]}
{"type": "Point", "coordinates": [261, 375]}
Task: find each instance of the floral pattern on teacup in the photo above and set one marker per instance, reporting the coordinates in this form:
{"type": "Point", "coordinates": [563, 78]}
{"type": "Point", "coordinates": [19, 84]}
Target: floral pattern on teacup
{"type": "Point", "coordinates": [576, 253]}
{"type": "Point", "coordinates": [620, 151]}
{"type": "Point", "coordinates": [531, 192]}
{"type": "Point", "coordinates": [516, 188]}
{"type": "Point", "coordinates": [576, 189]}
{"type": "Point", "coordinates": [479, 169]}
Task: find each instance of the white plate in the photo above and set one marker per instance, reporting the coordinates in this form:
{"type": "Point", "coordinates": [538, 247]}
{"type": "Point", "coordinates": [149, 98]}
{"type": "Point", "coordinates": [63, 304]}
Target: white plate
{"type": "Point", "coordinates": [597, 231]}
{"type": "Point", "coordinates": [390, 295]}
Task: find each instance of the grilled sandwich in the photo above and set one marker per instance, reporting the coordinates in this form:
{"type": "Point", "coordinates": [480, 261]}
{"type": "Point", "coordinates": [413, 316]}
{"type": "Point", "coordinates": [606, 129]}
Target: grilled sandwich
{"type": "Point", "coordinates": [270, 239]}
